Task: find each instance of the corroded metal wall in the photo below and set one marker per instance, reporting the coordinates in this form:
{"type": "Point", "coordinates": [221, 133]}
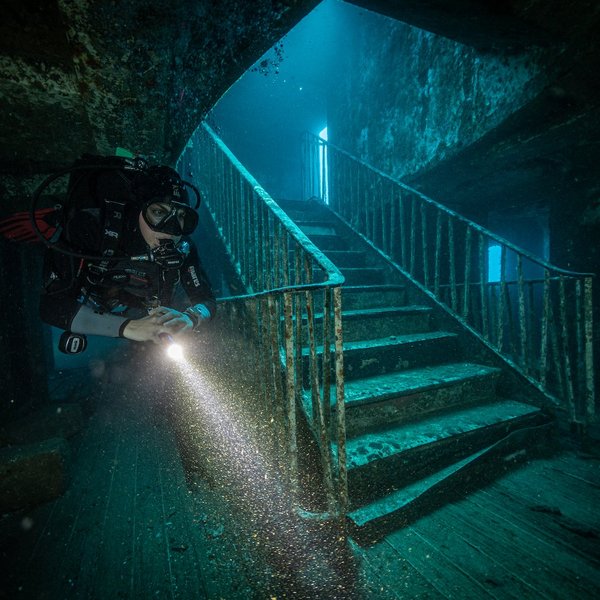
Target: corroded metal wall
{"type": "Point", "coordinates": [87, 75]}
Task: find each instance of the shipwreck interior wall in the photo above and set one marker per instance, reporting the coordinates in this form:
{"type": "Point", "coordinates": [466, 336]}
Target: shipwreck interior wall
{"type": "Point", "coordinates": [506, 123]}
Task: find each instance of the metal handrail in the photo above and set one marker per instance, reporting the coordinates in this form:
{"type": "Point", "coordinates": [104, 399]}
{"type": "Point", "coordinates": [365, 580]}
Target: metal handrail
{"type": "Point", "coordinates": [537, 317]}
{"type": "Point", "coordinates": [284, 276]}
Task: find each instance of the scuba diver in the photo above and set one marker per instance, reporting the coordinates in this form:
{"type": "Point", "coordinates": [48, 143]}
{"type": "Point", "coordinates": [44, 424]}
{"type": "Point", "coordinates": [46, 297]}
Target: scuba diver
{"type": "Point", "coordinates": [122, 252]}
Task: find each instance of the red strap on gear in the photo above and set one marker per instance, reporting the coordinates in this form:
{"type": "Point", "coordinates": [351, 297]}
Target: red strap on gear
{"type": "Point", "coordinates": [18, 227]}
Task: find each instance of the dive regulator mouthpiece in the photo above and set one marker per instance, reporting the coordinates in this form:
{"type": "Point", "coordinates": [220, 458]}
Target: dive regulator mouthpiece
{"type": "Point", "coordinates": [166, 255]}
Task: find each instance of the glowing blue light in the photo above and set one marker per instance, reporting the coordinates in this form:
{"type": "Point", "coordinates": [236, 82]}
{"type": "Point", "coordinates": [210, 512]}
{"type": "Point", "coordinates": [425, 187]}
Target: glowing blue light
{"type": "Point", "coordinates": [323, 170]}
{"type": "Point", "coordinates": [494, 266]}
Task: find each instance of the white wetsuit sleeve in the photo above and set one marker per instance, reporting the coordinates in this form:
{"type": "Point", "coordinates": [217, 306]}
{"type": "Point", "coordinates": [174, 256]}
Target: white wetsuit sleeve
{"type": "Point", "coordinates": [87, 321]}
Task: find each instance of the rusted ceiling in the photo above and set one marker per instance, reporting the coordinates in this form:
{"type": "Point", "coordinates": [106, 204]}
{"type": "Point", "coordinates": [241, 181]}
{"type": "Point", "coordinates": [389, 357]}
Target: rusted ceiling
{"type": "Point", "coordinates": [89, 75]}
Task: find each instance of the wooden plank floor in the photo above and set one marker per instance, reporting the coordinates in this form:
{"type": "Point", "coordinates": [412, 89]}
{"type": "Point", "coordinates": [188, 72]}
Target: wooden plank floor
{"type": "Point", "coordinates": [128, 527]}
{"type": "Point", "coordinates": [533, 534]}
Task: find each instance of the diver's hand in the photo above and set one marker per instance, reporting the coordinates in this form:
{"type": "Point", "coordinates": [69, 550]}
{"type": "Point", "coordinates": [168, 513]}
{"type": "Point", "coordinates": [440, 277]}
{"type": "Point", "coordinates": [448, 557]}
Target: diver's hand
{"type": "Point", "coordinates": [172, 320]}
{"type": "Point", "coordinates": [146, 329]}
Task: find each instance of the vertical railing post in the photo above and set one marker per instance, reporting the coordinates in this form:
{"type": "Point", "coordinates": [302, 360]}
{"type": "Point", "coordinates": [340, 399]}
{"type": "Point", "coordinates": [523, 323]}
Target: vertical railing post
{"type": "Point", "coordinates": [522, 323]}
{"type": "Point", "coordinates": [403, 242]}
{"type": "Point", "coordinates": [437, 257]}
{"type": "Point", "coordinates": [452, 264]}
{"type": "Point", "coordinates": [340, 409]}
{"type": "Point", "coordinates": [413, 234]}
{"type": "Point", "coordinates": [291, 383]}
{"type": "Point", "coordinates": [590, 407]}
{"type": "Point", "coordinates": [467, 282]}
{"type": "Point", "coordinates": [424, 246]}
{"type": "Point", "coordinates": [483, 277]}
{"type": "Point", "coordinates": [566, 357]}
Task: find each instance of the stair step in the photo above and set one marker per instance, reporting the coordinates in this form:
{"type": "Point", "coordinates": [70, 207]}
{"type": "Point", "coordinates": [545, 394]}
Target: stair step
{"type": "Point", "coordinates": [353, 276]}
{"type": "Point", "coordinates": [359, 297]}
{"type": "Point", "coordinates": [401, 507]}
{"type": "Point", "coordinates": [328, 241]}
{"type": "Point", "coordinates": [369, 358]}
{"type": "Point", "coordinates": [347, 258]}
{"type": "Point", "coordinates": [316, 227]}
{"type": "Point", "coordinates": [341, 258]}
{"type": "Point", "coordinates": [382, 461]}
{"type": "Point", "coordinates": [372, 296]}
{"type": "Point", "coordinates": [299, 210]}
{"type": "Point", "coordinates": [374, 323]}
{"type": "Point", "coordinates": [374, 402]}
{"type": "Point", "coordinates": [363, 275]}
{"type": "Point", "coordinates": [377, 323]}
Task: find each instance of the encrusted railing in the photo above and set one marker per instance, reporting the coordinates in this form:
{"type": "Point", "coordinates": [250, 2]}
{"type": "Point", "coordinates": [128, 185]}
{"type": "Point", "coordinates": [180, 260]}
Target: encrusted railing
{"type": "Point", "coordinates": [536, 316]}
{"type": "Point", "coordinates": [289, 313]}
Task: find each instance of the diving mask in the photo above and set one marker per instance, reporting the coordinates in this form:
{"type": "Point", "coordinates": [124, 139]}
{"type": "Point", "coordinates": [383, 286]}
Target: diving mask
{"type": "Point", "coordinates": [169, 216]}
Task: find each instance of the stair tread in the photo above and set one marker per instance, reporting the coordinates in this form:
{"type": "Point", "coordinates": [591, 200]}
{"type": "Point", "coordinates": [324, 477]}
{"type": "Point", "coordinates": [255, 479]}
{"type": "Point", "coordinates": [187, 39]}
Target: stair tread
{"type": "Point", "coordinates": [370, 447]}
{"type": "Point", "coordinates": [361, 269]}
{"type": "Point", "coordinates": [397, 340]}
{"type": "Point", "coordinates": [317, 228]}
{"type": "Point", "coordinates": [390, 341]}
{"type": "Point", "coordinates": [399, 499]}
{"type": "Point", "coordinates": [379, 311]}
{"type": "Point", "coordinates": [379, 287]}
{"type": "Point", "coordinates": [391, 385]}
{"type": "Point", "coordinates": [385, 310]}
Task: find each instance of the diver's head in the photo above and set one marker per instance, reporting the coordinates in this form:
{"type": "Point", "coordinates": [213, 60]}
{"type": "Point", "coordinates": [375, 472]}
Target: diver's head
{"type": "Point", "coordinates": [165, 211]}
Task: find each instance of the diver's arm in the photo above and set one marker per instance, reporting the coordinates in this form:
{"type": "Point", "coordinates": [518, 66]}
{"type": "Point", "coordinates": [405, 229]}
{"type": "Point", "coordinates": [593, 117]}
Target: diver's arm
{"type": "Point", "coordinates": [146, 329]}
{"type": "Point", "coordinates": [59, 309]}
{"type": "Point", "coordinates": [87, 321]}
{"type": "Point", "coordinates": [65, 312]}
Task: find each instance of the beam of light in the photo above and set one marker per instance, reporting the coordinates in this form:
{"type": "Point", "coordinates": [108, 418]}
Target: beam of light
{"type": "Point", "coordinates": [240, 448]}
{"type": "Point", "coordinates": [295, 545]}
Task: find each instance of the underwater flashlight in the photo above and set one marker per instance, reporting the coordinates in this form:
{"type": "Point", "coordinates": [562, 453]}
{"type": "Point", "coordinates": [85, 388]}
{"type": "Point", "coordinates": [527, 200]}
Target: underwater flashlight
{"type": "Point", "coordinates": [174, 350]}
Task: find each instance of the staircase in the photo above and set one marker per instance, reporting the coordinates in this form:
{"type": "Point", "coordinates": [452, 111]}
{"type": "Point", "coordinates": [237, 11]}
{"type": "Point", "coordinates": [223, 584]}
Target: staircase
{"type": "Point", "coordinates": [424, 422]}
